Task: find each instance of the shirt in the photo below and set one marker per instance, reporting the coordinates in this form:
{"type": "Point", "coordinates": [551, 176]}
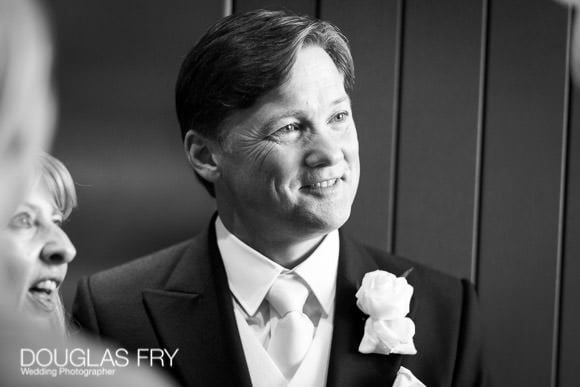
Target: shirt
{"type": "Point", "coordinates": [250, 276]}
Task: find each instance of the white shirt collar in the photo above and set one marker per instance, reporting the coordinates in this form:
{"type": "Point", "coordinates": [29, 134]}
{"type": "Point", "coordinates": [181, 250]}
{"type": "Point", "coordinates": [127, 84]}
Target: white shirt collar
{"type": "Point", "coordinates": [251, 274]}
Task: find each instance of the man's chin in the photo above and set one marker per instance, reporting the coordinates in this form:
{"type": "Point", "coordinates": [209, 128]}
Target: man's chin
{"type": "Point", "coordinates": [323, 222]}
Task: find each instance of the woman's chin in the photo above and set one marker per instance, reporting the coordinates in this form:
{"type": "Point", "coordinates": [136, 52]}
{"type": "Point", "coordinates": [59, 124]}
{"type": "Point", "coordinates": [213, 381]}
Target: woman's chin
{"type": "Point", "coordinates": [40, 304]}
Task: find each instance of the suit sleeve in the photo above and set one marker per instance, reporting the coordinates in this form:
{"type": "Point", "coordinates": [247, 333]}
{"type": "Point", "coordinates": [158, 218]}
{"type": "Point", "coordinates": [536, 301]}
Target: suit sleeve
{"type": "Point", "coordinates": [470, 369]}
{"type": "Point", "coordinates": [84, 313]}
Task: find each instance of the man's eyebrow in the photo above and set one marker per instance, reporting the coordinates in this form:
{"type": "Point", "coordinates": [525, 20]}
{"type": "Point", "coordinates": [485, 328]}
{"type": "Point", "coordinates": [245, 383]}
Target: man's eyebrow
{"type": "Point", "coordinates": [286, 114]}
{"type": "Point", "coordinates": [340, 100]}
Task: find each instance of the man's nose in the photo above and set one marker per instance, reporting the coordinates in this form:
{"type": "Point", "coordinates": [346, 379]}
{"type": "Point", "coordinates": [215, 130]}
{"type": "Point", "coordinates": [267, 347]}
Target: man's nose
{"type": "Point", "coordinates": [324, 149]}
{"type": "Point", "coordinates": [58, 248]}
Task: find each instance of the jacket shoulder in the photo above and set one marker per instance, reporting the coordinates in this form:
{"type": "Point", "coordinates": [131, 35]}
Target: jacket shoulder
{"type": "Point", "coordinates": [416, 271]}
{"type": "Point", "coordinates": [123, 284]}
{"type": "Point", "coordinates": [146, 271]}
{"type": "Point", "coordinates": [101, 296]}
{"type": "Point", "coordinates": [437, 295]}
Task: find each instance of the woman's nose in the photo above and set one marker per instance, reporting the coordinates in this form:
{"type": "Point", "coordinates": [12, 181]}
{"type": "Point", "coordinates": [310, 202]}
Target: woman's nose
{"type": "Point", "coordinates": [325, 149]}
{"type": "Point", "coordinates": [58, 248]}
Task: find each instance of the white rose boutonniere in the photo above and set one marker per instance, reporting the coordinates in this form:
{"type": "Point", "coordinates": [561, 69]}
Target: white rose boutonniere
{"type": "Point", "coordinates": [386, 298]}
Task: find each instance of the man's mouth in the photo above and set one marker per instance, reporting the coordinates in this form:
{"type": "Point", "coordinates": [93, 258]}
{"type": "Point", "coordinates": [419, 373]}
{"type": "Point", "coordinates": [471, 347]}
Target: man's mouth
{"type": "Point", "coordinates": [323, 184]}
{"type": "Point", "coordinates": [43, 293]}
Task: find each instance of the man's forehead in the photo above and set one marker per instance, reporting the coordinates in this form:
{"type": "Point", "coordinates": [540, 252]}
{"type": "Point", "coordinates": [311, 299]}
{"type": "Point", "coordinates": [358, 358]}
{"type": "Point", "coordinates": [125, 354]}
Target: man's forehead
{"type": "Point", "coordinates": [312, 61]}
{"type": "Point", "coordinates": [312, 71]}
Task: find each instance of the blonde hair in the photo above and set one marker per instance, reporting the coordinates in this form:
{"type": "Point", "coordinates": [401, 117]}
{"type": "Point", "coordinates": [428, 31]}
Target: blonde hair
{"type": "Point", "coordinates": [59, 183]}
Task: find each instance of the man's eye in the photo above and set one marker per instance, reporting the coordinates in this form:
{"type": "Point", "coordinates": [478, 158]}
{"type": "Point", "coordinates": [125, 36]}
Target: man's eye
{"type": "Point", "coordinates": [285, 131]}
{"type": "Point", "coordinates": [288, 128]}
{"type": "Point", "coordinates": [339, 117]}
{"type": "Point", "coordinates": [22, 220]}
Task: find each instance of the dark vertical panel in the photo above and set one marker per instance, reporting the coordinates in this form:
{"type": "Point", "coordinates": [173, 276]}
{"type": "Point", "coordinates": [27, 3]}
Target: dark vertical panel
{"type": "Point", "coordinates": [521, 187]}
{"type": "Point", "coordinates": [570, 316]}
{"type": "Point", "coordinates": [299, 6]}
{"type": "Point", "coordinates": [118, 132]}
{"type": "Point", "coordinates": [372, 33]}
{"type": "Point", "coordinates": [438, 133]}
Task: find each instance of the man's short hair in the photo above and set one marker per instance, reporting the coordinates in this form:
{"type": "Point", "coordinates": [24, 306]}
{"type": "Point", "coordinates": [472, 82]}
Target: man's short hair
{"type": "Point", "coordinates": [241, 58]}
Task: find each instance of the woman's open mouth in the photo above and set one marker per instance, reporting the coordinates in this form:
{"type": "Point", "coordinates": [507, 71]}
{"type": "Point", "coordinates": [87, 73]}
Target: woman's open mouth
{"type": "Point", "coordinates": [43, 293]}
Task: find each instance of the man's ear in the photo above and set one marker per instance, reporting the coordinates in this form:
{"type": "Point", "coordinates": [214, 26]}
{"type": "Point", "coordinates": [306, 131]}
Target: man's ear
{"type": "Point", "coordinates": [201, 155]}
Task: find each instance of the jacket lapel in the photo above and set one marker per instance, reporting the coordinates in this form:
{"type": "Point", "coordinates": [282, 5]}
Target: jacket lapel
{"type": "Point", "coordinates": [194, 313]}
{"type": "Point", "coordinates": [349, 367]}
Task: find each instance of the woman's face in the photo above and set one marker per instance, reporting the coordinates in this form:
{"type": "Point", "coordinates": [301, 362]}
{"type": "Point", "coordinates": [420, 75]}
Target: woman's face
{"type": "Point", "coordinates": [36, 252]}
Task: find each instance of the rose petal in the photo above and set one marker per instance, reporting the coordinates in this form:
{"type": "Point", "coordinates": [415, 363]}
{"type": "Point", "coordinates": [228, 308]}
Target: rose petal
{"type": "Point", "coordinates": [405, 378]}
{"type": "Point", "coordinates": [388, 336]}
{"type": "Point", "coordinates": [384, 296]}
{"type": "Point", "coordinates": [396, 334]}
{"type": "Point", "coordinates": [370, 341]}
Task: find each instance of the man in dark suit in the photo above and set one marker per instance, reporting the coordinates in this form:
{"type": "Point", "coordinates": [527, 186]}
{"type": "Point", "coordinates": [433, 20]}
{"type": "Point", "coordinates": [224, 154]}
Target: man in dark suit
{"type": "Point", "coordinates": [265, 296]}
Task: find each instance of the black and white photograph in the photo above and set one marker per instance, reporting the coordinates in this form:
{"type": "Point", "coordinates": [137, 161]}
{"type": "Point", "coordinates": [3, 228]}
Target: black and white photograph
{"type": "Point", "coordinates": [286, 193]}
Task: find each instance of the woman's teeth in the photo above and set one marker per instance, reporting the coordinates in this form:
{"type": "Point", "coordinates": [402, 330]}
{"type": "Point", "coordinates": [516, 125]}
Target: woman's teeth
{"type": "Point", "coordinates": [46, 286]}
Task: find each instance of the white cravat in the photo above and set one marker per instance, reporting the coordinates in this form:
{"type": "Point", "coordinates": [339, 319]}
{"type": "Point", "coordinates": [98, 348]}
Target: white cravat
{"type": "Point", "coordinates": [292, 335]}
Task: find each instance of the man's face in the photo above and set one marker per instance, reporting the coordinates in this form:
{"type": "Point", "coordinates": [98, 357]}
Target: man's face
{"type": "Point", "coordinates": [289, 166]}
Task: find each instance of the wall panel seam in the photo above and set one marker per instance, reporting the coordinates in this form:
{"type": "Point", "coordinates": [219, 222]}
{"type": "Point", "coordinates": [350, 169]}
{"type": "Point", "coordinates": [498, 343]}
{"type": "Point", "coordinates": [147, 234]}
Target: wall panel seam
{"type": "Point", "coordinates": [395, 125]}
{"type": "Point", "coordinates": [554, 376]}
{"type": "Point", "coordinates": [482, 95]}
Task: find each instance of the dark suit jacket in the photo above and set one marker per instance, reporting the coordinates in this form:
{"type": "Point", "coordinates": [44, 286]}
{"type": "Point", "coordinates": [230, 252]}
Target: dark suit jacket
{"type": "Point", "coordinates": [179, 298]}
